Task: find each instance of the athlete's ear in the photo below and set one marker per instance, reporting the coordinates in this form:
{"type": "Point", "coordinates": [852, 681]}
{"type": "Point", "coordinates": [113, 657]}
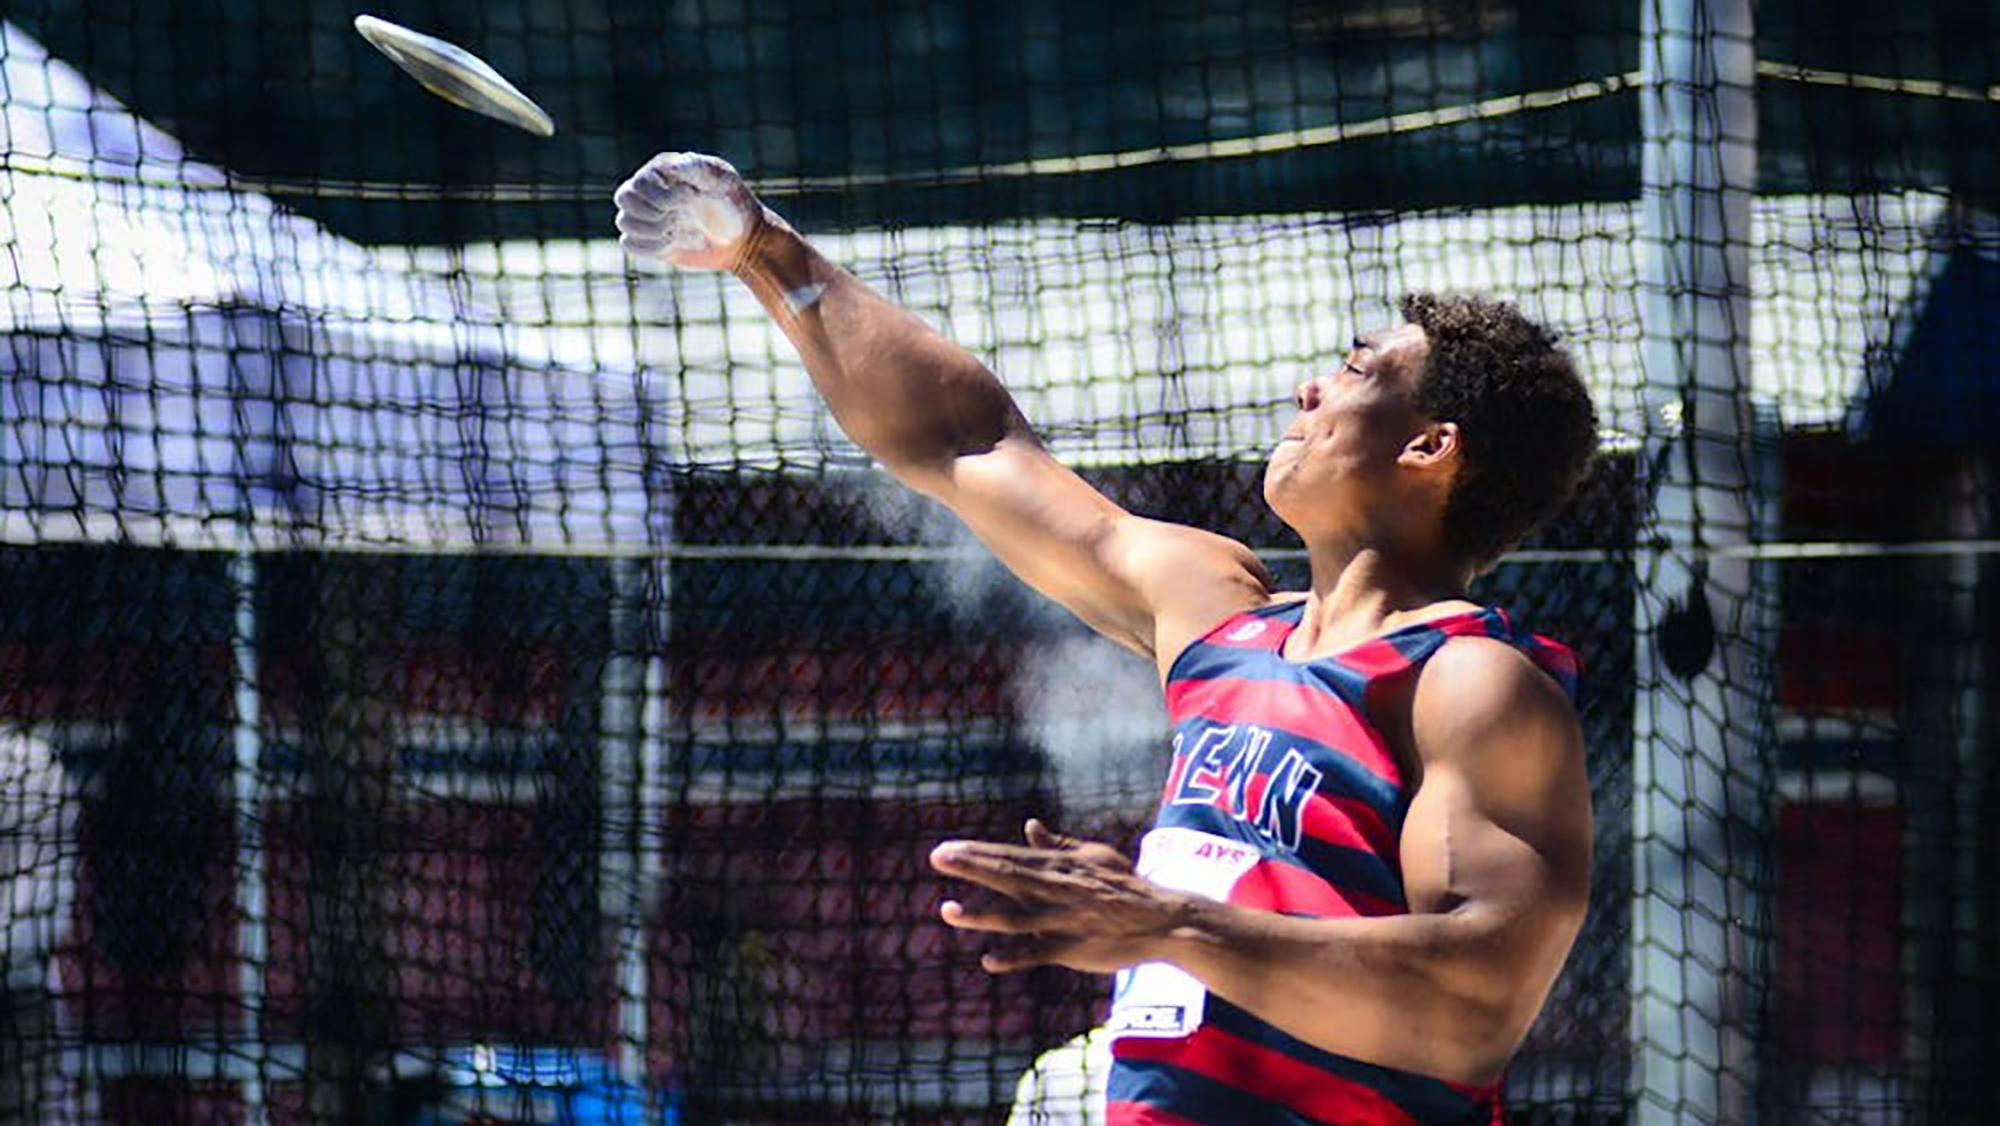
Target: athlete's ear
{"type": "Point", "coordinates": [1438, 445]}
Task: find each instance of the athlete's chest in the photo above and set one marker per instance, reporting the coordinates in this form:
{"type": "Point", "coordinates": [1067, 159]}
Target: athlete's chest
{"type": "Point", "coordinates": [1242, 705]}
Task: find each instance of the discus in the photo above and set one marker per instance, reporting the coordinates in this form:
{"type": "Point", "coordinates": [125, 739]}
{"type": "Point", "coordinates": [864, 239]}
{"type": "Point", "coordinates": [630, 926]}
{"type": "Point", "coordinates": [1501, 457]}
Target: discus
{"type": "Point", "coordinates": [455, 74]}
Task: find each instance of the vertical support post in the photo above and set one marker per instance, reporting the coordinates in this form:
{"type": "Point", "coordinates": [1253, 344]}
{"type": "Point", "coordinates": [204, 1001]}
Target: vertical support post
{"type": "Point", "coordinates": [650, 786]}
{"type": "Point", "coordinates": [247, 799]}
{"type": "Point", "coordinates": [1942, 784]}
{"type": "Point", "coordinates": [1699, 715]}
{"type": "Point", "coordinates": [633, 682]}
{"type": "Point", "coordinates": [1977, 937]}
{"type": "Point", "coordinates": [619, 842]}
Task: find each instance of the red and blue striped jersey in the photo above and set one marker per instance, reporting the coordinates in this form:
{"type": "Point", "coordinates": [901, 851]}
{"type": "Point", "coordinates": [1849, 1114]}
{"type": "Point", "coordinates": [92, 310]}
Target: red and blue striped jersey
{"type": "Point", "coordinates": [1285, 796]}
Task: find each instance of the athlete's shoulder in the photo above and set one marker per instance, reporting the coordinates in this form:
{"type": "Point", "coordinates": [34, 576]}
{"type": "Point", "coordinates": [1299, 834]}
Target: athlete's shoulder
{"type": "Point", "coordinates": [1195, 592]}
{"type": "Point", "coordinates": [1471, 657]}
{"type": "Point", "coordinates": [1552, 658]}
{"type": "Point", "coordinates": [1180, 555]}
{"type": "Point", "coordinates": [1477, 687]}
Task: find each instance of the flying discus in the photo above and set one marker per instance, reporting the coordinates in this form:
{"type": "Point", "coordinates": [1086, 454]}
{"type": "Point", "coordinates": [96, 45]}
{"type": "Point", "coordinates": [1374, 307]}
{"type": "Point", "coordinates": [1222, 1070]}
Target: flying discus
{"type": "Point", "coordinates": [455, 74]}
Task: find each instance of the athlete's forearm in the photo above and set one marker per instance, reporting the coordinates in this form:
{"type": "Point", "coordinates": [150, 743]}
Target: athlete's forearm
{"type": "Point", "coordinates": [907, 395]}
{"type": "Point", "coordinates": [1437, 994]}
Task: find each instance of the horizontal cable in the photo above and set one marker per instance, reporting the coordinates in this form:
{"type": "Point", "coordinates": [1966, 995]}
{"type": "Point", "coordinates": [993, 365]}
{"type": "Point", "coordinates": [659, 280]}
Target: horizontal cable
{"type": "Point", "coordinates": [1287, 140]}
{"type": "Point", "coordinates": [213, 534]}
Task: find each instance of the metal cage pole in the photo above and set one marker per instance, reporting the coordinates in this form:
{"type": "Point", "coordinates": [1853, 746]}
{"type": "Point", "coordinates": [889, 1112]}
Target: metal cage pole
{"type": "Point", "coordinates": [247, 795]}
{"type": "Point", "coordinates": [634, 766]}
{"type": "Point", "coordinates": [1699, 716]}
{"type": "Point", "coordinates": [626, 748]}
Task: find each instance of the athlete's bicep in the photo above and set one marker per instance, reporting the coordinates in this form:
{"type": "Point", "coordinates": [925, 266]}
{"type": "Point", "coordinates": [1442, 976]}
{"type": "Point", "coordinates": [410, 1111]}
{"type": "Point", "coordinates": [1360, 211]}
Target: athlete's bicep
{"type": "Point", "coordinates": [1499, 831]}
{"type": "Point", "coordinates": [1148, 585]}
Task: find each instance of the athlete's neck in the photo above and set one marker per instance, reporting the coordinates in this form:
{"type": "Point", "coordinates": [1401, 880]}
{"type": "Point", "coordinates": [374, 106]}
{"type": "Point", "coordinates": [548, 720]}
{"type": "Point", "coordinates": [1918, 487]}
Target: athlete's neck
{"type": "Point", "coordinates": [1364, 592]}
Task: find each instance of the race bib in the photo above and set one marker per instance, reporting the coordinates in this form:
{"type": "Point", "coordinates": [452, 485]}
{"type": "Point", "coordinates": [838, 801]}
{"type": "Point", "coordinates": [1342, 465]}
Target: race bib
{"type": "Point", "coordinates": [1155, 999]}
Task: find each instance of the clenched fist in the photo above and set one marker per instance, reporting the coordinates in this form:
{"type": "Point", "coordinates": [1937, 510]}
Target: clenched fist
{"type": "Point", "coordinates": [689, 210]}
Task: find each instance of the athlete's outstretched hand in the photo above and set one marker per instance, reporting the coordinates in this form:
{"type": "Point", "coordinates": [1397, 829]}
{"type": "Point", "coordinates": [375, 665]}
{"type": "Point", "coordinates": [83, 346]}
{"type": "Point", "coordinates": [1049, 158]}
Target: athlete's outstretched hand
{"type": "Point", "coordinates": [689, 210]}
{"type": "Point", "coordinates": [1060, 901]}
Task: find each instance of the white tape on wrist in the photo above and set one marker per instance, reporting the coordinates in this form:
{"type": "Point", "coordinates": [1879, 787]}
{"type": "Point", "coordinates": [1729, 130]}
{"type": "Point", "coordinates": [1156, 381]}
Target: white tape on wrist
{"type": "Point", "coordinates": [804, 297]}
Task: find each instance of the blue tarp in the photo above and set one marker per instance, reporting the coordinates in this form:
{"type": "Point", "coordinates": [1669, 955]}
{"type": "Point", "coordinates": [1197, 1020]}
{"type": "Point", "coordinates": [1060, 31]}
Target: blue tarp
{"type": "Point", "coordinates": [1942, 389]}
{"type": "Point", "coordinates": [185, 358]}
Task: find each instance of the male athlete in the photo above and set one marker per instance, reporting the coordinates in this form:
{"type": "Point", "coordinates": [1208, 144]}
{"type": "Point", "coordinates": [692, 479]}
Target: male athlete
{"type": "Point", "coordinates": [1373, 848]}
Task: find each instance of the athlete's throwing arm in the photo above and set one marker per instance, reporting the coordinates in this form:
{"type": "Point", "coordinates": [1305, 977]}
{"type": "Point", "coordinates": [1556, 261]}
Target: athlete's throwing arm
{"type": "Point", "coordinates": [1494, 843]}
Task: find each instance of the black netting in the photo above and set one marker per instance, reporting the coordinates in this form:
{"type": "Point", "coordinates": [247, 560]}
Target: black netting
{"type": "Point", "coordinates": [450, 672]}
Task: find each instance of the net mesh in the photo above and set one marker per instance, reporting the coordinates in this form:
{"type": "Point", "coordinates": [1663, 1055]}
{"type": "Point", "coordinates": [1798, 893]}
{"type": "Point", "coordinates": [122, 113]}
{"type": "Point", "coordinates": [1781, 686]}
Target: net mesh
{"type": "Point", "coordinates": [450, 673]}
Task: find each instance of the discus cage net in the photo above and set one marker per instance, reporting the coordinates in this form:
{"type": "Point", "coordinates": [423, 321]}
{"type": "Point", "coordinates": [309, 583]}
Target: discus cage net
{"type": "Point", "coordinates": [450, 673]}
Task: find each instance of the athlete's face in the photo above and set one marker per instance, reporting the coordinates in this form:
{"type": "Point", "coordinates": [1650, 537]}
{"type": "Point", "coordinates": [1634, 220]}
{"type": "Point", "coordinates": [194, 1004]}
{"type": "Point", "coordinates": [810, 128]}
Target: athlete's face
{"type": "Point", "coordinates": [1337, 466]}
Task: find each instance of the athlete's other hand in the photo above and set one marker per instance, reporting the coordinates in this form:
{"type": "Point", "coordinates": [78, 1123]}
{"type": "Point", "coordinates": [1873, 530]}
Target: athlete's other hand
{"type": "Point", "coordinates": [1060, 901]}
{"type": "Point", "coordinates": [689, 210]}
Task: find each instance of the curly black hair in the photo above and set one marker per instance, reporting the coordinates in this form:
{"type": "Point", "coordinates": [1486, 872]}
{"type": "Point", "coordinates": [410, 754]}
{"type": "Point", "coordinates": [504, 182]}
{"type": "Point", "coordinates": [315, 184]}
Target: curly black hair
{"type": "Point", "coordinates": [1523, 414]}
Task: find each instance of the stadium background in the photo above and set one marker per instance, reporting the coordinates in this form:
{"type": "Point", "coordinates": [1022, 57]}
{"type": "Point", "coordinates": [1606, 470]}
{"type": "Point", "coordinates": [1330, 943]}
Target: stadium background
{"type": "Point", "coordinates": [454, 646]}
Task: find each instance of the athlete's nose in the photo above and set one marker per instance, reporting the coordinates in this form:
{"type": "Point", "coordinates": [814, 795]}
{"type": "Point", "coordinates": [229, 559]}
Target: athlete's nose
{"type": "Point", "coordinates": [1307, 394]}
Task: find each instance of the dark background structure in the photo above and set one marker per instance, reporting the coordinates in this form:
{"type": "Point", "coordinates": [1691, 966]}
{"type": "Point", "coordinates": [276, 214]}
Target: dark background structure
{"type": "Point", "coordinates": [631, 769]}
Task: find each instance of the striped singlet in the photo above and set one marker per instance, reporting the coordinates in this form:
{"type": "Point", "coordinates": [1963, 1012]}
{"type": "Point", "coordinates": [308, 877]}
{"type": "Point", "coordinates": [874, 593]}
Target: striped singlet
{"type": "Point", "coordinates": [1282, 796]}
